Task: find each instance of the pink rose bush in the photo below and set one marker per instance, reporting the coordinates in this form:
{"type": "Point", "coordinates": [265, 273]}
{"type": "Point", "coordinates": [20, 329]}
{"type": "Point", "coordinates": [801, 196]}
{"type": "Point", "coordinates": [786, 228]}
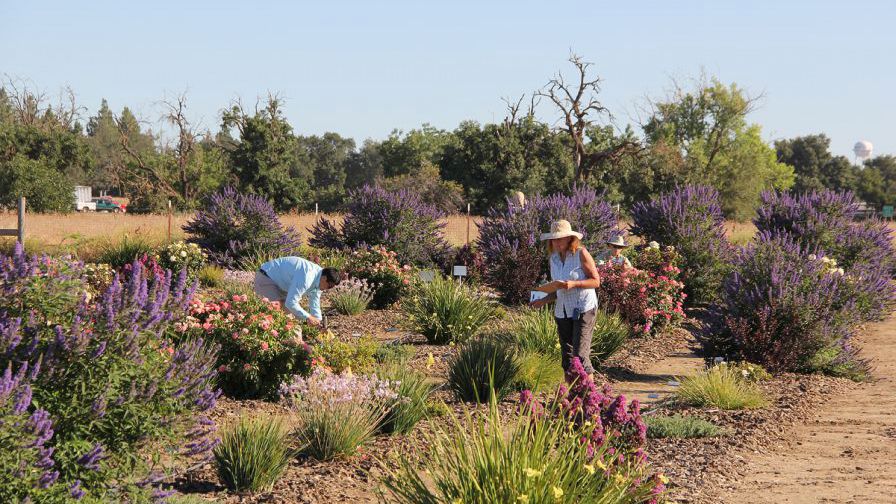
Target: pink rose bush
{"type": "Point", "coordinates": [382, 271]}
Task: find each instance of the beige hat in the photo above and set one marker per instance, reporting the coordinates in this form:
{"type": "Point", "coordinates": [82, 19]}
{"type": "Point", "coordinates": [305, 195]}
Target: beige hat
{"type": "Point", "coordinates": [618, 241]}
{"type": "Point", "coordinates": [560, 229]}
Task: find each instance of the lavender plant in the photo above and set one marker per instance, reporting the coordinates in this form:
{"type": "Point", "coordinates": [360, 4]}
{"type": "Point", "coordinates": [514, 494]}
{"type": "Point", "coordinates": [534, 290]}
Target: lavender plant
{"type": "Point", "coordinates": [103, 371]}
{"type": "Point", "coordinates": [233, 226]}
{"type": "Point", "coordinates": [509, 237]}
{"type": "Point", "coordinates": [690, 219]}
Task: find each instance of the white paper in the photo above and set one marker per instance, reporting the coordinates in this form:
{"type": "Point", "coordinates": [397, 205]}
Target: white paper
{"type": "Point", "coordinates": [460, 271]}
{"type": "Point", "coordinates": [536, 295]}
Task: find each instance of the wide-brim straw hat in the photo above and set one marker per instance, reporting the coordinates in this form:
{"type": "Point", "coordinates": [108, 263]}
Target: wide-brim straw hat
{"type": "Point", "coordinates": [560, 229]}
{"type": "Point", "coordinates": [618, 241]}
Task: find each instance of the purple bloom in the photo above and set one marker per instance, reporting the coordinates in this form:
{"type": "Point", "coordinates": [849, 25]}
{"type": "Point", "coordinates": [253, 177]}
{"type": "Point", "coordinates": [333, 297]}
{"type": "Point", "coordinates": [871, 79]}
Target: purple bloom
{"type": "Point", "coordinates": [91, 460]}
{"type": "Point", "coordinates": [76, 491]}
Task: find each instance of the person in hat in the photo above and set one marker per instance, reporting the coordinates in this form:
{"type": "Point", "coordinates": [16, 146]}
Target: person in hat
{"type": "Point", "coordinates": [614, 252]}
{"type": "Point", "coordinates": [574, 279]}
{"type": "Point", "coordinates": [288, 279]}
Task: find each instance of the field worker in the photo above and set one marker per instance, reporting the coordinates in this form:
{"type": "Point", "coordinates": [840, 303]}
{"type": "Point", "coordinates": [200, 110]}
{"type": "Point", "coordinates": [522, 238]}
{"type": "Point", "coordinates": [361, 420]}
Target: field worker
{"type": "Point", "coordinates": [288, 279]}
{"type": "Point", "coordinates": [573, 280]}
{"type": "Point", "coordinates": [614, 252]}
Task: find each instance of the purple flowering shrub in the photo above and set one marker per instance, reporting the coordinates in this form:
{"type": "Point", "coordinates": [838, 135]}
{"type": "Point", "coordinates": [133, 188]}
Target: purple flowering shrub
{"type": "Point", "coordinates": [690, 219]}
{"type": "Point", "coordinates": [780, 307]}
{"type": "Point", "coordinates": [233, 228]}
{"type": "Point", "coordinates": [826, 221]}
{"type": "Point", "coordinates": [398, 220]}
{"type": "Point", "coordinates": [101, 369]}
{"type": "Point", "coordinates": [509, 242]}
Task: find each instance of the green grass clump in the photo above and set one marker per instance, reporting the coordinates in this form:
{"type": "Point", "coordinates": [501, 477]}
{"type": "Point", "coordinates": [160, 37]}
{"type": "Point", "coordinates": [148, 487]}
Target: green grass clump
{"type": "Point", "coordinates": [350, 301]}
{"type": "Point", "coordinates": [358, 355]}
{"type": "Point", "coordinates": [720, 387]}
{"type": "Point", "coordinates": [830, 361]}
{"type": "Point", "coordinates": [681, 427]}
{"type": "Point", "coordinates": [539, 373]}
{"type": "Point", "coordinates": [211, 276]}
{"type": "Point", "coordinates": [411, 405]}
{"type": "Point", "coordinates": [124, 251]}
{"type": "Point", "coordinates": [482, 365]}
{"type": "Point", "coordinates": [536, 331]}
{"type": "Point", "coordinates": [446, 311]}
{"type": "Point", "coordinates": [393, 354]}
{"type": "Point", "coordinates": [610, 333]}
{"type": "Point", "coordinates": [253, 454]}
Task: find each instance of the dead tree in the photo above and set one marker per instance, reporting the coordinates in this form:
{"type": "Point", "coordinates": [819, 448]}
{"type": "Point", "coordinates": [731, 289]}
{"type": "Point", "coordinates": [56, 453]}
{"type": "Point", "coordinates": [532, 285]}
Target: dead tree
{"type": "Point", "coordinates": [184, 148]}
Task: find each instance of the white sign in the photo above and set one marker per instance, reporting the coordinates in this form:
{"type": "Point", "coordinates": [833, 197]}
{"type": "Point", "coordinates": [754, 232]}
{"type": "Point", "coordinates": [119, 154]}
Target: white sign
{"type": "Point", "coordinates": [536, 295]}
{"type": "Point", "coordinates": [460, 271]}
{"type": "Point", "coordinates": [427, 275]}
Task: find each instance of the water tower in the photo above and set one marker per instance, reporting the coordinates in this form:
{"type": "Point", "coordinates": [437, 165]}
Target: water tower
{"type": "Point", "coordinates": [863, 150]}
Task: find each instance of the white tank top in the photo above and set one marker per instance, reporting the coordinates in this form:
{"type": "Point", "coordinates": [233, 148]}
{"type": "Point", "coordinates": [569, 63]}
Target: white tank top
{"type": "Point", "coordinates": [571, 300]}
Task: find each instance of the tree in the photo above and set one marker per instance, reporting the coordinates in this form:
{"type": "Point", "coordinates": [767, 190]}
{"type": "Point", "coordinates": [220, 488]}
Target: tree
{"type": "Point", "coordinates": [813, 164]}
{"type": "Point", "coordinates": [327, 156]}
{"type": "Point", "coordinates": [405, 153]}
{"type": "Point", "coordinates": [876, 181]}
{"type": "Point", "coordinates": [365, 166]}
{"type": "Point", "coordinates": [46, 188]}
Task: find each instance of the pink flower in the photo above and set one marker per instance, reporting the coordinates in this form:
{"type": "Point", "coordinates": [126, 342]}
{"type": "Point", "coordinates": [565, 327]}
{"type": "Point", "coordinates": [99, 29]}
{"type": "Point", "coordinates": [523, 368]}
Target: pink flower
{"type": "Point", "coordinates": [264, 345]}
{"type": "Point", "coordinates": [223, 368]}
{"type": "Point", "coordinates": [245, 331]}
{"type": "Point", "coordinates": [247, 366]}
{"type": "Point", "coordinates": [236, 335]}
{"type": "Point", "coordinates": [275, 333]}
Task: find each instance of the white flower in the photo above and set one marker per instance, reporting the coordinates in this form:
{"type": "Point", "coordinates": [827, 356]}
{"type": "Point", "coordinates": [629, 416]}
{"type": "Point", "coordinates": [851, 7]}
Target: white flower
{"type": "Point", "coordinates": [812, 257]}
{"type": "Point", "coordinates": [183, 253]}
{"type": "Point", "coordinates": [173, 258]}
{"type": "Point", "coordinates": [653, 245]}
{"type": "Point", "coordinates": [840, 271]}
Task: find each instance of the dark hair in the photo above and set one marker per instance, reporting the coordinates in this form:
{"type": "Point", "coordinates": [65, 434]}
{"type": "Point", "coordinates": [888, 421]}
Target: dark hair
{"type": "Point", "coordinates": [333, 276]}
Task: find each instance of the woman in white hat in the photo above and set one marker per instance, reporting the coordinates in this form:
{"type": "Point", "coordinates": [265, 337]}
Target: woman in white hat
{"type": "Point", "coordinates": [614, 252]}
{"type": "Point", "coordinates": [573, 280]}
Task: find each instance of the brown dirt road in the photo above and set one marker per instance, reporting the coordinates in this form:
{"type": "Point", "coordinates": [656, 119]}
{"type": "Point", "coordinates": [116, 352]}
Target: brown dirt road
{"type": "Point", "coordinates": [846, 454]}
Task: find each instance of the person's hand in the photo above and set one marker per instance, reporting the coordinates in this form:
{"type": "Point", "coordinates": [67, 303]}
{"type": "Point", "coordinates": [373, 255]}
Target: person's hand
{"type": "Point", "coordinates": [538, 303]}
{"type": "Point", "coordinates": [313, 321]}
{"type": "Point", "coordinates": [569, 284]}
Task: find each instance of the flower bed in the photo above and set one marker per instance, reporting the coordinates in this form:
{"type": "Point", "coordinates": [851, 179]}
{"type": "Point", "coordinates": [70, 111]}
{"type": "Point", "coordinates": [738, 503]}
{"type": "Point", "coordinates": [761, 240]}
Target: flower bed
{"type": "Point", "coordinates": [649, 301]}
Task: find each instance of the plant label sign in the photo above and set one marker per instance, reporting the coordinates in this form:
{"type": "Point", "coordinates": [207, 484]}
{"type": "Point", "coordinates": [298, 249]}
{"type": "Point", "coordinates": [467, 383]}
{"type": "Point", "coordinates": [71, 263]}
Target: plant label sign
{"type": "Point", "coordinates": [460, 271]}
{"type": "Point", "coordinates": [427, 275]}
{"type": "Point", "coordinates": [536, 295]}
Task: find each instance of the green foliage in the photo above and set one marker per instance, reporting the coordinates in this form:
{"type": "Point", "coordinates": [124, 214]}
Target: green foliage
{"type": "Point", "coordinates": [445, 195]}
{"type": "Point", "coordinates": [339, 355]}
{"type": "Point", "coordinates": [394, 354]}
{"type": "Point", "coordinates": [45, 188]}
{"type": "Point", "coordinates": [118, 253]}
{"type": "Point", "coordinates": [539, 373]}
{"type": "Point", "coordinates": [253, 454]}
{"type": "Point", "coordinates": [610, 334]}
{"type": "Point", "coordinates": [830, 361]}
{"type": "Point", "coordinates": [181, 255]}
{"type": "Point", "coordinates": [815, 168]}
{"type": "Point", "coordinates": [382, 272]}
{"type": "Point", "coordinates": [410, 406]}
{"type": "Point", "coordinates": [680, 427]}
{"type": "Point", "coordinates": [536, 331]}
{"type": "Point", "coordinates": [211, 276]}
{"type": "Point", "coordinates": [482, 367]}
{"type": "Point", "coordinates": [446, 311]}
{"type": "Point", "coordinates": [720, 387]}
{"type": "Point", "coordinates": [349, 302]}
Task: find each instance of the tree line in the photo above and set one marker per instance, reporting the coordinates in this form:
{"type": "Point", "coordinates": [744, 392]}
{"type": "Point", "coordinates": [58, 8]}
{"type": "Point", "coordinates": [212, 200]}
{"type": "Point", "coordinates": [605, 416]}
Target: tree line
{"type": "Point", "coordinates": [697, 133]}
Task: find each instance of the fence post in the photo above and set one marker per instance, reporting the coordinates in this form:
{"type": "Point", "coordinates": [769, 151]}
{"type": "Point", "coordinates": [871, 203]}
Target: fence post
{"type": "Point", "coordinates": [468, 224]}
{"type": "Point", "coordinates": [315, 209]}
{"type": "Point", "coordinates": [22, 221]}
{"type": "Point", "coordinates": [169, 221]}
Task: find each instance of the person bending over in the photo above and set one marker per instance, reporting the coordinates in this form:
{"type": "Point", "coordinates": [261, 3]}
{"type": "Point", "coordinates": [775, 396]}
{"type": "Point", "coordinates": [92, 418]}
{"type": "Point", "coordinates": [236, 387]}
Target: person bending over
{"type": "Point", "coordinates": [288, 279]}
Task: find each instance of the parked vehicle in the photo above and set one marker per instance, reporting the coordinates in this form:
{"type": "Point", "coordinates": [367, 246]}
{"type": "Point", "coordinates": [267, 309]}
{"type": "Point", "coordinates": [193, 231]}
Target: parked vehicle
{"type": "Point", "coordinates": [105, 204]}
{"type": "Point", "coordinates": [84, 199]}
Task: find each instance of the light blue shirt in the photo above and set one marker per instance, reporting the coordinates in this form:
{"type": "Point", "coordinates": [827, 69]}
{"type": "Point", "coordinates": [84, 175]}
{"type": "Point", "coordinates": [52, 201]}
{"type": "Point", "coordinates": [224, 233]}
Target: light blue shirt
{"type": "Point", "coordinates": [296, 277]}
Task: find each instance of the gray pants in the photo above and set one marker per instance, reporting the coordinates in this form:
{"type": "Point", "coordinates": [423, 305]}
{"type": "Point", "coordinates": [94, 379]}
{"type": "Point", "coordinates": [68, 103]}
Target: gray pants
{"type": "Point", "coordinates": [575, 339]}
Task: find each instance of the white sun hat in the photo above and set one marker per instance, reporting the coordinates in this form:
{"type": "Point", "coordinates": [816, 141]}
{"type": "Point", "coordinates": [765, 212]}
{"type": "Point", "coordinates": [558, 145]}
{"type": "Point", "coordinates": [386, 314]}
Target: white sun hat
{"type": "Point", "coordinates": [560, 229]}
{"type": "Point", "coordinates": [618, 241]}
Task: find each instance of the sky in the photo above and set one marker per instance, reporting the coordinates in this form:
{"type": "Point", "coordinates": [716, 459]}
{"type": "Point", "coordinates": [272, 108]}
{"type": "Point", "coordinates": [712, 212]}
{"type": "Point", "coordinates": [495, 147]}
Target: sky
{"type": "Point", "coordinates": [364, 68]}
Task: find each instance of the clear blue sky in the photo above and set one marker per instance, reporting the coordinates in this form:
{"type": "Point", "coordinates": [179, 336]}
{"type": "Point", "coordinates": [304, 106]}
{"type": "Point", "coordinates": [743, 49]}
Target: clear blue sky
{"type": "Point", "coordinates": [363, 68]}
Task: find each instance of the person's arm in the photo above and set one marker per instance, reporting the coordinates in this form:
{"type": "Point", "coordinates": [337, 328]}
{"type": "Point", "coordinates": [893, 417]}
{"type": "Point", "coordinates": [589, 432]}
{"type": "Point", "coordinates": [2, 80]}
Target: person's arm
{"type": "Point", "coordinates": [296, 291]}
{"type": "Point", "coordinates": [550, 298]}
{"type": "Point", "coordinates": [591, 280]}
{"type": "Point", "coordinates": [314, 304]}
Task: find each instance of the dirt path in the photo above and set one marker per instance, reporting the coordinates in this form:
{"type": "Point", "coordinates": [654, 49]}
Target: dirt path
{"type": "Point", "coordinates": [847, 454]}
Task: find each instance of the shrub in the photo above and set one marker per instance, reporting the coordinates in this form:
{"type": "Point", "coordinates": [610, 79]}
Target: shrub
{"type": "Point", "coordinates": [103, 372]}
{"type": "Point", "coordinates": [350, 297]}
{"type": "Point", "coordinates": [260, 346]}
{"type": "Point", "coordinates": [181, 255]}
{"type": "Point", "coordinates": [399, 220]}
{"type": "Point", "coordinates": [123, 252]}
{"type": "Point", "coordinates": [483, 366]}
{"type": "Point", "coordinates": [409, 407]}
{"type": "Point", "coordinates": [211, 276]}
{"type": "Point", "coordinates": [690, 219]}
{"type": "Point", "coordinates": [470, 257]}
{"type": "Point", "coordinates": [720, 387]}
{"type": "Point", "coordinates": [252, 455]}
{"type": "Point", "coordinates": [536, 331]}
{"type": "Point", "coordinates": [232, 227]}
{"type": "Point", "coordinates": [778, 307]}
{"type": "Point", "coordinates": [446, 311]}
{"type": "Point", "coordinates": [538, 458]}
{"type": "Point", "coordinates": [337, 413]}
{"type": "Point", "coordinates": [681, 427]}
{"type": "Point", "coordinates": [509, 237]}
{"type": "Point", "coordinates": [393, 354]}
{"type": "Point", "coordinates": [610, 333]}
{"type": "Point", "coordinates": [382, 272]}
{"type": "Point", "coordinates": [825, 222]}
{"type": "Point", "coordinates": [647, 302]}
{"type": "Point", "coordinates": [539, 373]}
{"type": "Point", "coordinates": [339, 356]}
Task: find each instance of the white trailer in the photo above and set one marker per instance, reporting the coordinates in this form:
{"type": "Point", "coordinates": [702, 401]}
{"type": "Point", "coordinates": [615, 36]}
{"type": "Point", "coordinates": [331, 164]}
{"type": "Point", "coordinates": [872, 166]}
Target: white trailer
{"type": "Point", "coordinates": [84, 199]}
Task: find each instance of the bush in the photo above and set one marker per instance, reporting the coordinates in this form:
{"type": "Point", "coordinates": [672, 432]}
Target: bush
{"type": "Point", "coordinates": [538, 458]}
{"type": "Point", "coordinates": [689, 218]}
{"type": "Point", "coordinates": [470, 257]}
{"type": "Point", "coordinates": [350, 297]}
{"type": "Point", "coordinates": [260, 347]}
{"type": "Point", "coordinates": [539, 373]}
{"type": "Point", "coordinates": [337, 413]}
{"type": "Point", "coordinates": [649, 303]}
{"type": "Point", "coordinates": [123, 252]}
{"type": "Point", "coordinates": [535, 331]}
{"type": "Point", "coordinates": [252, 455]}
{"type": "Point", "coordinates": [399, 220]}
{"type": "Point", "coordinates": [826, 222]}
{"type": "Point", "coordinates": [211, 276]}
{"type": "Point", "coordinates": [509, 237]}
{"type": "Point", "coordinates": [380, 269]}
{"type": "Point", "coordinates": [446, 311]}
{"type": "Point", "coordinates": [103, 381]}
{"type": "Point", "coordinates": [393, 354]}
{"type": "Point", "coordinates": [681, 427]}
{"type": "Point", "coordinates": [482, 366]}
{"type": "Point", "coordinates": [410, 406]}
{"type": "Point", "coordinates": [610, 333]}
{"type": "Point", "coordinates": [181, 255]}
{"type": "Point", "coordinates": [720, 387]}
{"type": "Point", "coordinates": [233, 227]}
{"type": "Point", "coordinates": [778, 307]}
{"type": "Point", "coordinates": [339, 356]}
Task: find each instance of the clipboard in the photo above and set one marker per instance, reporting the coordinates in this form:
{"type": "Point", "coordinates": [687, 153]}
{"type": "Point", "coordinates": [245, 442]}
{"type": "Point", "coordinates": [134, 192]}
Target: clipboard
{"type": "Point", "coordinates": [536, 295]}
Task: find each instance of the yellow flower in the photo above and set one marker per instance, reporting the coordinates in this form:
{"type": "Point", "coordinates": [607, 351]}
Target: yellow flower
{"type": "Point", "coordinates": [664, 479]}
{"type": "Point", "coordinates": [558, 492]}
{"type": "Point", "coordinates": [532, 473]}
{"type": "Point", "coordinates": [523, 498]}
{"type": "Point", "coordinates": [589, 468]}
{"type": "Point", "coordinates": [430, 361]}
{"type": "Point", "coordinates": [619, 478]}
{"type": "Point", "coordinates": [457, 501]}
{"type": "Point", "coordinates": [600, 464]}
